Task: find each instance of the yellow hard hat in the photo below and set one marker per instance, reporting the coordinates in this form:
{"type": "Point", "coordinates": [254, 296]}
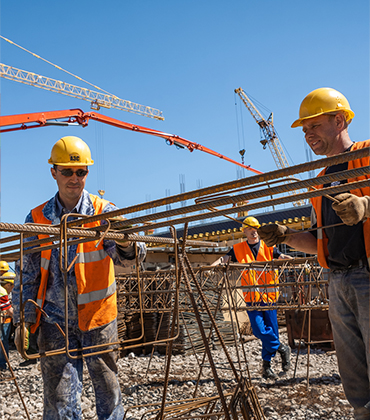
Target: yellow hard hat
{"type": "Point", "coordinates": [70, 151]}
{"type": "Point", "coordinates": [8, 277]}
{"type": "Point", "coordinates": [251, 221]}
{"type": "Point", "coordinates": [4, 266]}
{"type": "Point", "coordinates": [323, 101]}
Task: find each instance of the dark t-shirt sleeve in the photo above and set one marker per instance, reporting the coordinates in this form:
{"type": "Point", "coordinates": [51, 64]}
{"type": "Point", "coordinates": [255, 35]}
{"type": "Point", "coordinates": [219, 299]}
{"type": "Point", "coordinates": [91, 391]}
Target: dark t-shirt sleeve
{"type": "Point", "coordinates": [313, 223]}
{"type": "Point", "coordinates": [231, 253]}
{"type": "Point", "coordinates": [276, 253]}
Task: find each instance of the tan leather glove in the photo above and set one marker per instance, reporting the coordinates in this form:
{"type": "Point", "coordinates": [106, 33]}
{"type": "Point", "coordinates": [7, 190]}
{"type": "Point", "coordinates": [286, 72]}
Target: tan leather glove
{"type": "Point", "coordinates": [17, 338]}
{"type": "Point", "coordinates": [351, 208]}
{"type": "Point", "coordinates": [273, 234]}
{"type": "Point", "coordinates": [122, 243]}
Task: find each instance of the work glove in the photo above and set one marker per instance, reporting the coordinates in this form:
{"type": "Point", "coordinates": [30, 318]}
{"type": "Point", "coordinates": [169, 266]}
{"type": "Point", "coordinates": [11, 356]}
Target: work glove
{"type": "Point", "coordinates": [123, 243]}
{"type": "Point", "coordinates": [17, 337]}
{"type": "Point", "coordinates": [273, 234]}
{"type": "Point", "coordinates": [351, 208]}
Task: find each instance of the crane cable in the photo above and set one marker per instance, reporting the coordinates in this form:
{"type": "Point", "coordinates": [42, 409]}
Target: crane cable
{"type": "Point", "coordinates": [56, 66]}
{"type": "Point", "coordinates": [100, 170]}
{"type": "Point", "coordinates": [241, 141]}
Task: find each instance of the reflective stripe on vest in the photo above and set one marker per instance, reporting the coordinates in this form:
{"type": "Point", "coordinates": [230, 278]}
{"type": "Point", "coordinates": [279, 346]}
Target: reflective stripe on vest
{"type": "Point", "coordinates": [88, 257]}
{"type": "Point", "coordinates": [322, 240]}
{"type": "Point", "coordinates": [96, 295]}
{"type": "Point", "coordinates": [258, 286]}
{"type": "Point", "coordinates": [45, 263]}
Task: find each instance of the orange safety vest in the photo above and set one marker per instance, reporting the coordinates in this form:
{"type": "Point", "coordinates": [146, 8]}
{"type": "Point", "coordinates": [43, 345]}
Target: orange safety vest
{"type": "Point", "coordinates": [322, 239]}
{"type": "Point", "coordinates": [94, 270]}
{"type": "Point", "coordinates": [250, 277]}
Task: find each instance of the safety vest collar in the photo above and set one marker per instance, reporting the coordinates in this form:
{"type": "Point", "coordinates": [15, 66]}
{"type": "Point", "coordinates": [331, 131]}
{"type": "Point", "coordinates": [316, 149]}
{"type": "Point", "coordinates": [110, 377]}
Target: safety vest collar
{"type": "Point", "coordinates": [50, 208]}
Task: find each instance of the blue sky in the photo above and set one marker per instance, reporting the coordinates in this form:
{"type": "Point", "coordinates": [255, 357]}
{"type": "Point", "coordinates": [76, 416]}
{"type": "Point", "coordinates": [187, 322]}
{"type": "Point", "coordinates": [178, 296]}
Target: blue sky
{"type": "Point", "coordinates": [184, 58]}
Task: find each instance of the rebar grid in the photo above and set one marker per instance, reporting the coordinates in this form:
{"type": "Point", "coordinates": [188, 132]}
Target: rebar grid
{"type": "Point", "coordinates": [195, 291]}
{"type": "Point", "coordinates": [292, 280]}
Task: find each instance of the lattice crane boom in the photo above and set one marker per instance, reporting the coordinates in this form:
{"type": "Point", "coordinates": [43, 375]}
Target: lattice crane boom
{"type": "Point", "coordinates": [270, 138]}
{"type": "Point", "coordinates": [267, 127]}
{"type": "Point", "coordinates": [96, 99]}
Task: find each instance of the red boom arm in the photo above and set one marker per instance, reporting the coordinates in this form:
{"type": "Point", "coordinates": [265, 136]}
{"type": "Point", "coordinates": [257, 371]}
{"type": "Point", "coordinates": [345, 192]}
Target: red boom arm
{"type": "Point", "coordinates": [77, 116]}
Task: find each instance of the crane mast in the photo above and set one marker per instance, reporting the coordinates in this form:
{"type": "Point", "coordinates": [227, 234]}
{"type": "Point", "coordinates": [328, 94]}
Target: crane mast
{"type": "Point", "coordinates": [96, 99]}
{"type": "Point", "coordinates": [267, 127]}
{"type": "Point", "coordinates": [270, 137]}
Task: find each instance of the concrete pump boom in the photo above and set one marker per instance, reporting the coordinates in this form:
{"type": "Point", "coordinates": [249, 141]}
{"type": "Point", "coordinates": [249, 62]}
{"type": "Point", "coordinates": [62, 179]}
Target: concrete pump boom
{"type": "Point", "coordinates": [77, 116]}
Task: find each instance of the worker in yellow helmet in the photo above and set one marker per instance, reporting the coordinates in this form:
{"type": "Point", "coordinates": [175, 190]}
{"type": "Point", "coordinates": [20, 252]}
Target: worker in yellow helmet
{"type": "Point", "coordinates": [4, 267]}
{"type": "Point", "coordinates": [6, 311]}
{"type": "Point", "coordinates": [264, 323]}
{"type": "Point", "coordinates": [344, 249]}
{"type": "Point", "coordinates": [91, 286]}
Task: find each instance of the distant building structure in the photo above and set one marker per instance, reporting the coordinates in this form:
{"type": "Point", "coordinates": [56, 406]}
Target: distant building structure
{"type": "Point", "coordinates": [226, 232]}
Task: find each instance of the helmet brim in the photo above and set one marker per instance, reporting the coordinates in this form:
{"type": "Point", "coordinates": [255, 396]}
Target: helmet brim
{"type": "Point", "coordinates": [349, 117]}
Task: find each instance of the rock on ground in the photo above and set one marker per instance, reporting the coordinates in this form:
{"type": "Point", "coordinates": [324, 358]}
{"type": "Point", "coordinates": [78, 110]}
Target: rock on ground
{"type": "Point", "coordinates": [284, 399]}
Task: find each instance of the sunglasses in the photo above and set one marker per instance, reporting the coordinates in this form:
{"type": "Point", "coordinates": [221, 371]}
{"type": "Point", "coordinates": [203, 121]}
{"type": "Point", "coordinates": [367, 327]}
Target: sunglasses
{"type": "Point", "coordinates": [68, 172]}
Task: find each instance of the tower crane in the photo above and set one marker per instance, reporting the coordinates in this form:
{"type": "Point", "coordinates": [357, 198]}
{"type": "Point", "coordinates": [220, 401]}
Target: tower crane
{"type": "Point", "coordinates": [267, 127]}
{"type": "Point", "coordinates": [270, 137]}
{"type": "Point", "coordinates": [96, 99]}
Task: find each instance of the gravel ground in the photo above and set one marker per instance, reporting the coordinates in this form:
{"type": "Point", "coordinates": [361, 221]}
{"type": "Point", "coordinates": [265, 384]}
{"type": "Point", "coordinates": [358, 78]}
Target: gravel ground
{"type": "Point", "coordinates": [284, 399]}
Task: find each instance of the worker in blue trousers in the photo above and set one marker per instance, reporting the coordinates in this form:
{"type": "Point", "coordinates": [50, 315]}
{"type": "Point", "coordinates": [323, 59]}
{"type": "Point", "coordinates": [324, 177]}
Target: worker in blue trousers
{"type": "Point", "coordinates": [264, 323]}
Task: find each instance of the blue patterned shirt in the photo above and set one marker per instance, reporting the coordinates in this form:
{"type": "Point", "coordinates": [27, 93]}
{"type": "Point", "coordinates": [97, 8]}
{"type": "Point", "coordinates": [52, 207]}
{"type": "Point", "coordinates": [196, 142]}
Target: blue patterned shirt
{"type": "Point", "coordinates": [54, 304]}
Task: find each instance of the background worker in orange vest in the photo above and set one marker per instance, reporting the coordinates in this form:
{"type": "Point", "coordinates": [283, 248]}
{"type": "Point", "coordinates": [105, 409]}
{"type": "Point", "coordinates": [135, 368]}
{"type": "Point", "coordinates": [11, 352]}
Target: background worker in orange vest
{"type": "Point", "coordinates": [6, 312]}
{"type": "Point", "coordinates": [324, 116]}
{"type": "Point", "coordinates": [91, 291]}
{"type": "Point", "coordinates": [264, 323]}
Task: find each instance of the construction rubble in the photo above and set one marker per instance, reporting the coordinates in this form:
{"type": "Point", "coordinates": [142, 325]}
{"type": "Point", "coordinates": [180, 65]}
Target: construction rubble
{"type": "Point", "coordinates": [284, 399]}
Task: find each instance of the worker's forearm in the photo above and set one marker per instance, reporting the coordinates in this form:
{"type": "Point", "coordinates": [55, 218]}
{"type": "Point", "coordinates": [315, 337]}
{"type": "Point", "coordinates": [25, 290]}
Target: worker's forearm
{"type": "Point", "coordinates": [302, 241]}
{"type": "Point", "coordinates": [222, 260]}
{"type": "Point", "coordinates": [285, 257]}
